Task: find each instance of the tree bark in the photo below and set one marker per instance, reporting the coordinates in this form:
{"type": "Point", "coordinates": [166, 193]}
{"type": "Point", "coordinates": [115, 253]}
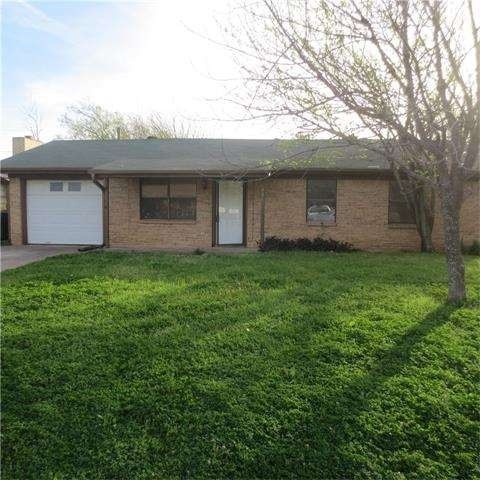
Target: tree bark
{"type": "Point", "coordinates": [262, 214]}
{"type": "Point", "coordinates": [421, 201]}
{"type": "Point", "coordinates": [425, 217]}
{"type": "Point", "coordinates": [453, 248]}
{"type": "Point", "coordinates": [426, 243]}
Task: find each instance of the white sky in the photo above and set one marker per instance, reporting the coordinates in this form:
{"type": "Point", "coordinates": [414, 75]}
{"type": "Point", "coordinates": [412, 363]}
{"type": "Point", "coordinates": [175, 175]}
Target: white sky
{"type": "Point", "coordinates": [133, 57]}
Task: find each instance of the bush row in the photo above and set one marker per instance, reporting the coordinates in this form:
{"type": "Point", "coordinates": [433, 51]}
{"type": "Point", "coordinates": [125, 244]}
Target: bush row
{"type": "Point", "coordinates": [317, 244]}
{"type": "Point", "coordinates": [472, 249]}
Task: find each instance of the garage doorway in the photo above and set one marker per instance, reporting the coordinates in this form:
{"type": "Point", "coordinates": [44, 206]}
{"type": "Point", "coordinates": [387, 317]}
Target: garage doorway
{"type": "Point", "coordinates": [64, 212]}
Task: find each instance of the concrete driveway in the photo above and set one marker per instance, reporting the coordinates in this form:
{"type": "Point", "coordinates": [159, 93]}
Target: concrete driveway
{"type": "Point", "coordinates": [16, 256]}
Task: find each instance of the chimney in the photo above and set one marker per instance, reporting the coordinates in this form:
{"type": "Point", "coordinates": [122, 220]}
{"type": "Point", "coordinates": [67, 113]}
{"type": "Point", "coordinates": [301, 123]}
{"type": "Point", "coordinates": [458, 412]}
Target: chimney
{"type": "Point", "coordinates": [21, 144]}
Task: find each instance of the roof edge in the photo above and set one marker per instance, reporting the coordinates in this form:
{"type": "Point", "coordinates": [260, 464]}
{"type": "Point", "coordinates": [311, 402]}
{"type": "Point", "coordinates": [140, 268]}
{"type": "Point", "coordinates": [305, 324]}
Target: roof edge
{"type": "Point", "coordinates": [200, 173]}
{"type": "Point", "coordinates": [29, 170]}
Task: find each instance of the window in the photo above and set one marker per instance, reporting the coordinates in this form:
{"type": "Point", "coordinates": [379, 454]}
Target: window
{"type": "Point", "coordinates": [74, 186]}
{"type": "Point", "coordinates": [398, 209]}
{"type": "Point", "coordinates": [168, 199]}
{"type": "Point", "coordinates": [56, 186]}
{"type": "Point", "coordinates": [321, 200]}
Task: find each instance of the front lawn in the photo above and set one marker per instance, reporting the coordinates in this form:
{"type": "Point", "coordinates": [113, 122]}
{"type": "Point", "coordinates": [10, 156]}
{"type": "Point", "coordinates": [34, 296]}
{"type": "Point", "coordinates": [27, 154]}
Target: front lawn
{"type": "Point", "coordinates": [293, 365]}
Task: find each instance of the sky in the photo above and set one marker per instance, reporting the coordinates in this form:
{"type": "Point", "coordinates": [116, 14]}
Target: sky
{"type": "Point", "coordinates": [134, 57]}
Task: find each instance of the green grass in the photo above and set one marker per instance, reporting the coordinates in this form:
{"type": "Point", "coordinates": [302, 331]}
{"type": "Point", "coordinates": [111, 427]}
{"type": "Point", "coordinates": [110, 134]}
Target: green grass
{"type": "Point", "coordinates": [293, 365]}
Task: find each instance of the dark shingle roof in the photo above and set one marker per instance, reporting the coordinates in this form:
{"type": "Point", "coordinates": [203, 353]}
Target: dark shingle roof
{"type": "Point", "coordinates": [193, 155]}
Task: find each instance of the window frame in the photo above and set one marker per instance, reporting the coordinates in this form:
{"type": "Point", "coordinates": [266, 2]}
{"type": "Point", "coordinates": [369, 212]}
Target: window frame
{"type": "Point", "coordinates": [390, 202]}
{"type": "Point", "coordinates": [71, 183]}
{"type": "Point", "coordinates": [56, 182]}
{"type": "Point", "coordinates": [317, 222]}
{"type": "Point", "coordinates": [168, 182]}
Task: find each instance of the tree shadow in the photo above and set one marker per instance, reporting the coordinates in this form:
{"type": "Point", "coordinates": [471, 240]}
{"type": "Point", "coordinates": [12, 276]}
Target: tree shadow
{"type": "Point", "coordinates": [354, 399]}
{"type": "Point", "coordinates": [143, 334]}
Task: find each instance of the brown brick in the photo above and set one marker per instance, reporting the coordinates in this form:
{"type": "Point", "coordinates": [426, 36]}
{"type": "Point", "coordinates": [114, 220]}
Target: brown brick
{"type": "Point", "coordinates": [362, 216]}
{"type": "Point", "coordinates": [128, 229]}
{"type": "Point", "coordinates": [15, 211]}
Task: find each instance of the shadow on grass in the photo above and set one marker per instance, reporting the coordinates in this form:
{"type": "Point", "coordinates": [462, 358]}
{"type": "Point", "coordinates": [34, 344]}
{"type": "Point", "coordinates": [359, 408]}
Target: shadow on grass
{"type": "Point", "coordinates": [179, 366]}
{"type": "Point", "coordinates": [354, 399]}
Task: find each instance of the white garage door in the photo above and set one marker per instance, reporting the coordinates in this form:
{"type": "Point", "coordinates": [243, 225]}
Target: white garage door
{"type": "Point", "coordinates": [64, 212]}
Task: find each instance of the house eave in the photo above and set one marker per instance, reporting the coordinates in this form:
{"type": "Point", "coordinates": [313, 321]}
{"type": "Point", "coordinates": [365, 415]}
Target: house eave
{"type": "Point", "coordinates": [18, 172]}
{"type": "Point", "coordinates": [242, 173]}
{"type": "Point", "coordinates": [233, 174]}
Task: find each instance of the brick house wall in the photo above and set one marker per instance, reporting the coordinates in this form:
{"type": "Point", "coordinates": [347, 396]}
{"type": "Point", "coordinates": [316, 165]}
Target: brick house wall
{"type": "Point", "coordinates": [362, 216]}
{"type": "Point", "coordinates": [128, 229]}
{"type": "Point", "coordinates": [15, 211]}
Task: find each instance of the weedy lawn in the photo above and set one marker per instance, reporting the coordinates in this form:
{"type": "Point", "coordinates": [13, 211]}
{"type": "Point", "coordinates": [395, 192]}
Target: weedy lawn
{"type": "Point", "coordinates": [281, 365]}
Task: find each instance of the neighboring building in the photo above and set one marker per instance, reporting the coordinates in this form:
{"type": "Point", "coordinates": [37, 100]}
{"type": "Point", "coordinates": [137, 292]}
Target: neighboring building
{"type": "Point", "coordinates": [4, 234]}
{"type": "Point", "coordinates": [201, 193]}
{"type": "Point", "coordinates": [3, 193]}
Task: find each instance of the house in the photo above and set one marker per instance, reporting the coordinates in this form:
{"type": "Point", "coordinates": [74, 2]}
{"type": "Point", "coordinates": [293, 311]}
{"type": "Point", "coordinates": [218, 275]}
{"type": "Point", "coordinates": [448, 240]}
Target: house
{"type": "Point", "coordinates": [4, 235]}
{"type": "Point", "coordinates": [203, 193]}
{"type": "Point", "coordinates": [3, 193]}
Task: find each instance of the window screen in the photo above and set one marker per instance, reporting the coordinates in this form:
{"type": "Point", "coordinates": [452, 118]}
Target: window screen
{"type": "Point", "coordinates": [56, 186]}
{"type": "Point", "coordinates": [74, 186]}
{"type": "Point", "coordinates": [321, 200]}
{"type": "Point", "coordinates": [398, 209]}
{"type": "Point", "coordinates": [168, 199]}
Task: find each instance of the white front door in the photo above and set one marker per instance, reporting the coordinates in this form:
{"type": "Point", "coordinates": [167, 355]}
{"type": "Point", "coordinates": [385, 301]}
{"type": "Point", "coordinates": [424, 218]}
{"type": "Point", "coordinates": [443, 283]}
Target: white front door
{"type": "Point", "coordinates": [64, 212]}
{"type": "Point", "coordinates": [230, 212]}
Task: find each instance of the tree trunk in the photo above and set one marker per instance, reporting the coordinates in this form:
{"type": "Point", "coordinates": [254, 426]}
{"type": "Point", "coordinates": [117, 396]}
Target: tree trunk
{"type": "Point", "coordinates": [424, 216]}
{"type": "Point", "coordinates": [262, 214]}
{"type": "Point", "coordinates": [452, 240]}
{"type": "Point", "coordinates": [421, 201]}
{"type": "Point", "coordinates": [426, 243]}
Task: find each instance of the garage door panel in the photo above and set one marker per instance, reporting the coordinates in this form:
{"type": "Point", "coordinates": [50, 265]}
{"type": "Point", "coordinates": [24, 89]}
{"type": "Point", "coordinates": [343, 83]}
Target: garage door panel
{"type": "Point", "coordinates": [54, 202]}
{"type": "Point", "coordinates": [67, 237]}
{"type": "Point", "coordinates": [64, 217]}
{"type": "Point", "coordinates": [61, 221]}
{"type": "Point", "coordinates": [42, 187]}
{"type": "Point", "coordinates": [53, 214]}
{"type": "Point", "coordinates": [68, 196]}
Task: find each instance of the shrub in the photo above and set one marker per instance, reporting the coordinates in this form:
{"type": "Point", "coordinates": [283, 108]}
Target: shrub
{"type": "Point", "coordinates": [318, 244]}
{"type": "Point", "coordinates": [472, 249]}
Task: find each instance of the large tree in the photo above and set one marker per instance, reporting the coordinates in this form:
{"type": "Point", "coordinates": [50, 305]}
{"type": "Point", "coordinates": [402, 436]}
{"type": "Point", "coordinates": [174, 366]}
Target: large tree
{"type": "Point", "coordinates": [405, 74]}
{"type": "Point", "coordinates": [87, 121]}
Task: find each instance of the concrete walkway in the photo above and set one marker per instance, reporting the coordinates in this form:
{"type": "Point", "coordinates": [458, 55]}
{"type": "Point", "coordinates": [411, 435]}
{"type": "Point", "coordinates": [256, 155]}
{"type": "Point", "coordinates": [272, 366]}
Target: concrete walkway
{"type": "Point", "coordinates": [16, 256]}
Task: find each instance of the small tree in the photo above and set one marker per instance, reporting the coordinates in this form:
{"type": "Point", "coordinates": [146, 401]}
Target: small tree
{"type": "Point", "coordinates": [86, 121]}
{"type": "Point", "coordinates": [33, 120]}
{"type": "Point", "coordinates": [398, 71]}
